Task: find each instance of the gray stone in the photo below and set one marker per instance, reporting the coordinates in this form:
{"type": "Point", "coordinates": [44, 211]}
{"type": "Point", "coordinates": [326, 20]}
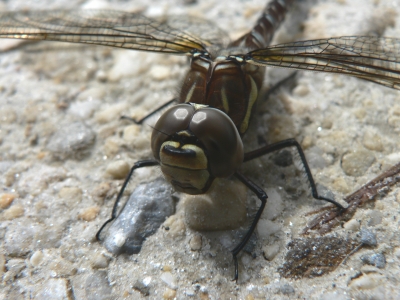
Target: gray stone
{"type": "Point", "coordinates": [368, 237]}
{"type": "Point", "coordinates": [287, 289]}
{"type": "Point", "coordinates": [53, 289]}
{"type": "Point", "coordinates": [375, 259]}
{"type": "Point", "coordinates": [71, 140]}
{"type": "Point", "coordinates": [147, 208]}
{"type": "Point", "coordinates": [18, 240]}
{"type": "Point", "coordinates": [357, 162]}
{"type": "Point", "coordinates": [97, 286]}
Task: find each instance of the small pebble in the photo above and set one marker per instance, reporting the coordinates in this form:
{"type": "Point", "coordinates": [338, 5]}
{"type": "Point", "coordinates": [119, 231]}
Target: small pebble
{"type": "Point", "coordinates": [377, 259]}
{"type": "Point", "coordinates": [169, 279]}
{"type": "Point", "coordinates": [118, 169]}
{"type": "Point", "coordinates": [372, 141]}
{"type": "Point", "coordinates": [130, 133]}
{"type": "Point", "coordinates": [249, 297]}
{"type": "Point", "coordinates": [265, 228]}
{"type": "Point", "coordinates": [48, 237]}
{"type": "Point", "coordinates": [368, 237]}
{"type": "Point", "coordinates": [99, 261]}
{"type": "Point", "coordinates": [18, 239]}
{"type": "Point", "coordinates": [13, 212]}
{"type": "Point", "coordinates": [275, 205]}
{"type": "Point", "coordinates": [71, 140]}
{"type": "Point", "coordinates": [62, 267]}
{"type": "Point", "coordinates": [341, 185]}
{"type": "Point", "coordinates": [111, 147]}
{"type": "Point", "coordinates": [195, 242]}
{"type": "Point", "coordinates": [85, 109]}
{"type": "Point", "coordinates": [176, 226]}
{"type": "Point", "coordinates": [270, 251]}
{"type": "Point", "coordinates": [307, 142]}
{"type": "Point", "coordinates": [6, 200]}
{"type": "Point", "coordinates": [287, 289]}
{"type": "Point", "coordinates": [36, 258]}
{"type": "Point", "coordinates": [101, 191]}
{"type": "Point", "coordinates": [54, 288]}
{"type": "Point", "coordinates": [374, 217]}
{"type": "Point", "coordinates": [169, 294]}
{"type": "Point", "coordinates": [352, 225]}
{"type": "Point", "coordinates": [167, 268]}
{"type": "Point", "coordinates": [97, 286]}
{"type": "Point", "coordinates": [71, 195]}
{"type": "Point", "coordinates": [89, 214]}
{"type": "Point", "coordinates": [141, 287]}
{"type": "Point", "coordinates": [357, 162]}
{"type": "Point", "coordinates": [110, 113]}
{"type": "Point", "coordinates": [190, 292]}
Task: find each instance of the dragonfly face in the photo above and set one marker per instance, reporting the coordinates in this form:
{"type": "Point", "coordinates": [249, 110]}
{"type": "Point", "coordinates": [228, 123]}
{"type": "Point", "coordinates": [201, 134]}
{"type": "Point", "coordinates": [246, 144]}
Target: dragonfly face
{"type": "Point", "coordinates": [195, 144]}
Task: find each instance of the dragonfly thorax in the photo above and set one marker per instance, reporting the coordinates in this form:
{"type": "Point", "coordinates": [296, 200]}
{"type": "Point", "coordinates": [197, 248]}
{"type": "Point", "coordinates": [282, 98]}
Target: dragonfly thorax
{"type": "Point", "coordinates": [226, 84]}
{"type": "Point", "coordinates": [195, 144]}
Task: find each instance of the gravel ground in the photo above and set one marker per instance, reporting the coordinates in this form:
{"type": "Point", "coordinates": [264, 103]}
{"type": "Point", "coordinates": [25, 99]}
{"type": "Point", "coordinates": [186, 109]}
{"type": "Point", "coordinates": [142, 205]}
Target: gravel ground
{"type": "Point", "coordinates": [64, 152]}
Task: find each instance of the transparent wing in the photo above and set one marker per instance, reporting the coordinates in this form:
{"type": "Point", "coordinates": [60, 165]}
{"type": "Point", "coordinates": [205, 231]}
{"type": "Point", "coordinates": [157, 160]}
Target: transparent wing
{"type": "Point", "coordinates": [203, 29]}
{"type": "Point", "coordinates": [370, 58]}
{"type": "Point", "coordinates": [108, 28]}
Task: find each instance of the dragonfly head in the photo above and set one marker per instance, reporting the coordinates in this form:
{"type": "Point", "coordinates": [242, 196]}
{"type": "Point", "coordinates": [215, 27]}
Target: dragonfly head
{"type": "Point", "coordinates": [195, 144]}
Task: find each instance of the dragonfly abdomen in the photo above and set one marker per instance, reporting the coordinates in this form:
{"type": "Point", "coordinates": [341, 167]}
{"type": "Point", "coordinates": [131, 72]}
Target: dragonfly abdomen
{"type": "Point", "coordinates": [261, 34]}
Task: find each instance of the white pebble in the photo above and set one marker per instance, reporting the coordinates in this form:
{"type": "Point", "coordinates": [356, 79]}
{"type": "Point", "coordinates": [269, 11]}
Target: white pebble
{"type": "Point", "coordinates": [36, 258]}
{"type": "Point", "coordinates": [169, 279]}
{"type": "Point", "coordinates": [265, 228]}
{"type": "Point", "coordinates": [274, 205]}
{"type": "Point", "coordinates": [270, 251]}
{"type": "Point", "coordinates": [353, 225]}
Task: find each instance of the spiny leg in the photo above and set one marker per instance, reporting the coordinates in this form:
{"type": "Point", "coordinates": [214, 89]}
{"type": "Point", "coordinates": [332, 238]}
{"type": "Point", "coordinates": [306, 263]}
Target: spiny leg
{"type": "Point", "coordinates": [137, 165]}
{"type": "Point", "coordinates": [286, 144]}
{"type": "Point", "coordinates": [263, 197]}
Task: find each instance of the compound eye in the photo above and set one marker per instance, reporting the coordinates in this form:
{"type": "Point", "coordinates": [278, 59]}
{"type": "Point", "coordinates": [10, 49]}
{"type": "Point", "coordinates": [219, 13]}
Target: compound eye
{"type": "Point", "coordinates": [175, 119]}
{"type": "Point", "coordinates": [221, 140]}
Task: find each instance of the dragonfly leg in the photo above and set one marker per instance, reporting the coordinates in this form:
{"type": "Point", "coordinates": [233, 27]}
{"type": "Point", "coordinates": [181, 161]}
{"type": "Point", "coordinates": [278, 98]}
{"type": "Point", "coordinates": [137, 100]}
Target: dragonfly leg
{"type": "Point", "coordinates": [137, 165]}
{"type": "Point", "coordinates": [286, 144]}
{"type": "Point", "coordinates": [150, 114]}
{"type": "Point", "coordinates": [262, 195]}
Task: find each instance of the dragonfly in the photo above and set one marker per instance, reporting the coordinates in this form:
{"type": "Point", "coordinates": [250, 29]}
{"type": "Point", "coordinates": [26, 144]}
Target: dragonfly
{"type": "Point", "coordinates": [200, 139]}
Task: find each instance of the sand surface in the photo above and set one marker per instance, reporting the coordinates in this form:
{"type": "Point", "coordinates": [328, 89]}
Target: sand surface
{"type": "Point", "coordinates": [64, 150]}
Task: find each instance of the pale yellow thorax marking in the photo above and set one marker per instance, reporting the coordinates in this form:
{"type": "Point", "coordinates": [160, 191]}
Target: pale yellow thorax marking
{"type": "Point", "coordinates": [252, 99]}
